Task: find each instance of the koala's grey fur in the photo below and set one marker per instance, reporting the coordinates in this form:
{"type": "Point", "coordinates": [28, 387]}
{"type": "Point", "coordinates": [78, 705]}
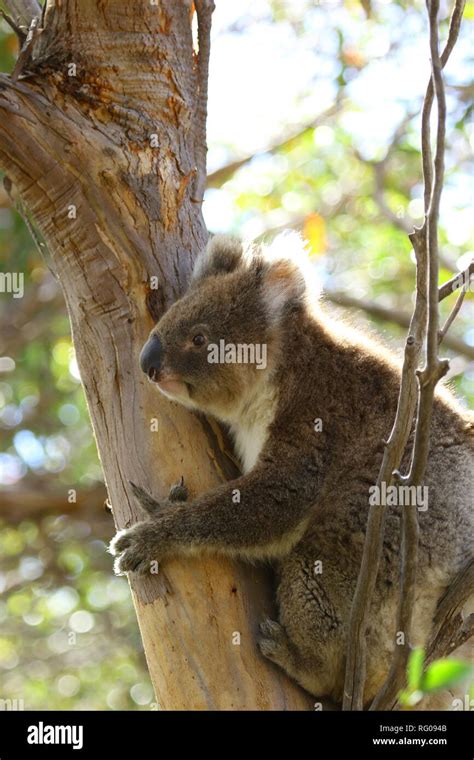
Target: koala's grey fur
{"type": "Point", "coordinates": [304, 493]}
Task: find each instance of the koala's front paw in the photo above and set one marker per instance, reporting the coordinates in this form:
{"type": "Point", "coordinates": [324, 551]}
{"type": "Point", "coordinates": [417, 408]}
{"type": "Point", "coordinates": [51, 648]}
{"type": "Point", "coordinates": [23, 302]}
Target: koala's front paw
{"type": "Point", "coordinates": [136, 549]}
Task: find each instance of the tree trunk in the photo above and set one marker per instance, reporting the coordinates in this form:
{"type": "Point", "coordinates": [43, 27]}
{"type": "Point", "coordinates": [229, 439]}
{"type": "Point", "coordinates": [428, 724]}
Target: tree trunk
{"type": "Point", "coordinates": [102, 137]}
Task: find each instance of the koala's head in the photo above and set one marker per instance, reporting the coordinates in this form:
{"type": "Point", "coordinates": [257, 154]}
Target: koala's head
{"type": "Point", "coordinates": [216, 343]}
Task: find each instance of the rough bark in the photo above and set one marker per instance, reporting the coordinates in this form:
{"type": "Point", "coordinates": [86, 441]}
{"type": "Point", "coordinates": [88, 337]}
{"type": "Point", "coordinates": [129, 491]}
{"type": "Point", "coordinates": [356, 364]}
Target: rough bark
{"type": "Point", "coordinates": [100, 134]}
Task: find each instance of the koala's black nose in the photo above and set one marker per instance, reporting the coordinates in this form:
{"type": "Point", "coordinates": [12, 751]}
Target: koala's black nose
{"type": "Point", "coordinates": [151, 355]}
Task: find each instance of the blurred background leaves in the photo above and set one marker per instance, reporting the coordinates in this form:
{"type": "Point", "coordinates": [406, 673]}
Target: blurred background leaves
{"type": "Point", "coordinates": [313, 124]}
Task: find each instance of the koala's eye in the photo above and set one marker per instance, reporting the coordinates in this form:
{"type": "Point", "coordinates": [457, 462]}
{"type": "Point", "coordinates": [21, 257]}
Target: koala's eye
{"type": "Point", "coordinates": [199, 341]}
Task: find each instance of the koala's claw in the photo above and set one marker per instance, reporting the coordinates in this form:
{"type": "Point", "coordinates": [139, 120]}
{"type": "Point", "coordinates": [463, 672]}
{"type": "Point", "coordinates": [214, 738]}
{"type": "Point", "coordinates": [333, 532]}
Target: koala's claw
{"type": "Point", "coordinates": [130, 562]}
{"type": "Point", "coordinates": [274, 642]}
{"type": "Point", "coordinates": [270, 627]}
{"type": "Point", "coordinates": [147, 502]}
{"type": "Point", "coordinates": [131, 549]}
{"type": "Point", "coordinates": [178, 492]}
{"type": "Point", "coordinates": [121, 542]}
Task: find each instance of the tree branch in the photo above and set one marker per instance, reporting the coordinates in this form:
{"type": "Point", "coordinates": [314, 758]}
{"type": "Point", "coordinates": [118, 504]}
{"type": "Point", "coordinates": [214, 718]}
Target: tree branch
{"type": "Point", "coordinates": [452, 316]}
{"type": "Point", "coordinates": [23, 11]}
{"type": "Point", "coordinates": [20, 33]}
{"type": "Point", "coordinates": [204, 10]}
{"type": "Point", "coordinates": [217, 178]}
{"type": "Point", "coordinates": [395, 316]}
{"type": "Point", "coordinates": [379, 168]}
{"type": "Point", "coordinates": [459, 280]}
{"type": "Point", "coordinates": [426, 158]}
{"type": "Point", "coordinates": [29, 500]}
{"type": "Point", "coordinates": [450, 630]}
{"type": "Point", "coordinates": [396, 444]}
{"type": "Point", "coordinates": [401, 223]}
{"type": "Point", "coordinates": [424, 322]}
{"type": "Point", "coordinates": [110, 141]}
{"type": "Point", "coordinates": [428, 377]}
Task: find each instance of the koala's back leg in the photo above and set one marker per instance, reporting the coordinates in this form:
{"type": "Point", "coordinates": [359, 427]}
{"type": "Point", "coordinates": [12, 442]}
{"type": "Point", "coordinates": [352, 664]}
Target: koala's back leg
{"type": "Point", "coordinates": [315, 597]}
{"type": "Point", "coordinates": [309, 640]}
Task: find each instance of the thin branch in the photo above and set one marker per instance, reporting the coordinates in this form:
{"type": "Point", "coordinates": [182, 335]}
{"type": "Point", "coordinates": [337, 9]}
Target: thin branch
{"type": "Point", "coordinates": [434, 368]}
{"type": "Point", "coordinates": [428, 377]}
{"type": "Point", "coordinates": [394, 316]}
{"type": "Point", "coordinates": [427, 161]}
{"type": "Point", "coordinates": [452, 316]}
{"type": "Point", "coordinates": [26, 52]}
{"type": "Point", "coordinates": [20, 33]}
{"type": "Point", "coordinates": [459, 280]}
{"type": "Point", "coordinates": [204, 11]}
{"type": "Point", "coordinates": [402, 223]}
{"type": "Point", "coordinates": [380, 170]}
{"type": "Point", "coordinates": [396, 444]}
{"type": "Point", "coordinates": [224, 173]}
{"type": "Point", "coordinates": [426, 251]}
{"type": "Point", "coordinates": [26, 501]}
{"type": "Point", "coordinates": [450, 630]}
{"type": "Point", "coordinates": [23, 11]}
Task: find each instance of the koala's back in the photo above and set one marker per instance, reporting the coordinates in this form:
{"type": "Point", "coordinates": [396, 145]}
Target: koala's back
{"type": "Point", "coordinates": [353, 388]}
{"type": "Point", "coordinates": [355, 395]}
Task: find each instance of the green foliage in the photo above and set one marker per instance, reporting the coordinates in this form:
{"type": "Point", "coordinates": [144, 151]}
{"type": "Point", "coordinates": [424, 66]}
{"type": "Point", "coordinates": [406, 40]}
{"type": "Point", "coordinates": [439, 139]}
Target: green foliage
{"type": "Point", "coordinates": [54, 571]}
{"type": "Point", "coordinates": [439, 675]}
{"type": "Point", "coordinates": [415, 669]}
{"type": "Point", "coordinates": [68, 637]}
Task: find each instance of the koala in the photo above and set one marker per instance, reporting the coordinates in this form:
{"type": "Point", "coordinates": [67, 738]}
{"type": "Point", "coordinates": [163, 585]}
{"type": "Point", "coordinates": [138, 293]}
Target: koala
{"type": "Point", "coordinates": [309, 425]}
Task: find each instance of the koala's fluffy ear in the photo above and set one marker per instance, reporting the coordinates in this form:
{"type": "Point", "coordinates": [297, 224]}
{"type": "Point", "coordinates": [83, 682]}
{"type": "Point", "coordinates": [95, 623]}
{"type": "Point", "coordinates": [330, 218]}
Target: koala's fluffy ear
{"type": "Point", "coordinates": [286, 277]}
{"type": "Point", "coordinates": [222, 255]}
{"type": "Point", "coordinates": [284, 286]}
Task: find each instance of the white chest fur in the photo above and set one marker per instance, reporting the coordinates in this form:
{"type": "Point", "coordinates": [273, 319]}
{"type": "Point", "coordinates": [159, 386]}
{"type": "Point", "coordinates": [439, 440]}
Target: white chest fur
{"type": "Point", "coordinates": [250, 429]}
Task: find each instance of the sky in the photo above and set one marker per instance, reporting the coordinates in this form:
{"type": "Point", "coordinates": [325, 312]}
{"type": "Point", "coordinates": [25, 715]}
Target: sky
{"type": "Point", "coordinates": [267, 77]}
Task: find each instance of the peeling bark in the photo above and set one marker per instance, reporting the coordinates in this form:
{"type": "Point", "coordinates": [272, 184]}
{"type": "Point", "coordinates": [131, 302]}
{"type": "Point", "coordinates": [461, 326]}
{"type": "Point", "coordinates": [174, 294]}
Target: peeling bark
{"type": "Point", "coordinates": [102, 136]}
